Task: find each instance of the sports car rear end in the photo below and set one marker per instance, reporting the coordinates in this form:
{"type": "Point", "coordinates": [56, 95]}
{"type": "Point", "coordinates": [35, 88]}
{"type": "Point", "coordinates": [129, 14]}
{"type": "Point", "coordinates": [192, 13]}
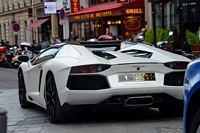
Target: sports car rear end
{"type": "Point", "coordinates": [67, 78]}
{"type": "Point", "coordinates": [124, 81]}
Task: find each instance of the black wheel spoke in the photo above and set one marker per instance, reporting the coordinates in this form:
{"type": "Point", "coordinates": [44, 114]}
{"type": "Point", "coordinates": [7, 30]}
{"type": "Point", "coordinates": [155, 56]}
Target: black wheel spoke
{"type": "Point", "coordinates": [50, 97]}
{"type": "Point", "coordinates": [54, 111]}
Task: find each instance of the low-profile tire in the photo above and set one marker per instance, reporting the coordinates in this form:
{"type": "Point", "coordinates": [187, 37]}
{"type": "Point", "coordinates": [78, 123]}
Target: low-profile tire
{"type": "Point", "coordinates": [172, 110]}
{"type": "Point", "coordinates": [22, 92]}
{"type": "Point", "coordinates": [55, 113]}
{"type": "Point", "coordinates": [195, 125]}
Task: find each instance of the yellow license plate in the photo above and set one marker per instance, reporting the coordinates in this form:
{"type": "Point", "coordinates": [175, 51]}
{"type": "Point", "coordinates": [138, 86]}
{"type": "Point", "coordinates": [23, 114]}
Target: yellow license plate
{"type": "Point", "coordinates": [136, 77]}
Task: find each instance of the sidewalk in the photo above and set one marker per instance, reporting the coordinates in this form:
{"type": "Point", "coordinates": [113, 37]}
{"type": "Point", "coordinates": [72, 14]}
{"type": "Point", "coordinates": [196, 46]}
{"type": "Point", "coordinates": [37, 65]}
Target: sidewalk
{"type": "Point", "coordinates": [22, 120]}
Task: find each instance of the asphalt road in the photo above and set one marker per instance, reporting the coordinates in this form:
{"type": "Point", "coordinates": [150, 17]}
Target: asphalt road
{"type": "Point", "coordinates": [34, 120]}
{"type": "Point", "coordinates": [8, 78]}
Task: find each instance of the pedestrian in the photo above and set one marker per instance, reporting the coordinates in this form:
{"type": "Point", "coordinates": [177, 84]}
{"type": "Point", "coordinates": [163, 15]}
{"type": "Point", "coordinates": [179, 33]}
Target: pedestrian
{"type": "Point", "coordinates": [108, 32]}
{"type": "Point", "coordinates": [58, 39]}
{"type": "Point", "coordinates": [36, 47]}
{"type": "Point", "coordinates": [72, 37]}
{"type": "Point", "coordinates": [8, 45]}
{"type": "Point", "coordinates": [141, 36]}
{"type": "Point", "coordinates": [3, 43]}
{"type": "Point", "coordinates": [53, 41]}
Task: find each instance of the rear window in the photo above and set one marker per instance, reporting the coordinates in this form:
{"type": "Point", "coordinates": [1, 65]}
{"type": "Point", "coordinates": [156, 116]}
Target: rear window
{"type": "Point", "coordinates": [138, 53]}
{"type": "Point", "coordinates": [104, 55]}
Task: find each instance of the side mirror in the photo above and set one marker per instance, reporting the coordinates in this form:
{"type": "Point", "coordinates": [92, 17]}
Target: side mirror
{"type": "Point", "coordinates": [171, 33]}
{"type": "Point", "coordinates": [23, 58]}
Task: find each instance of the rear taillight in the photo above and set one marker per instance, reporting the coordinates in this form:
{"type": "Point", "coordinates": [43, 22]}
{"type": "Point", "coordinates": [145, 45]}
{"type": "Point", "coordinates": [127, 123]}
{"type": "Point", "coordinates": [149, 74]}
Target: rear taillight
{"type": "Point", "coordinates": [89, 69]}
{"type": "Point", "coordinates": [176, 65]}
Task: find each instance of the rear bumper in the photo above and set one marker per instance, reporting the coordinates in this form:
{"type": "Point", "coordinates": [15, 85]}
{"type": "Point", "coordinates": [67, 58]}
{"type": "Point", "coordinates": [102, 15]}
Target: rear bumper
{"type": "Point", "coordinates": [122, 102]}
{"type": "Point", "coordinates": [93, 97]}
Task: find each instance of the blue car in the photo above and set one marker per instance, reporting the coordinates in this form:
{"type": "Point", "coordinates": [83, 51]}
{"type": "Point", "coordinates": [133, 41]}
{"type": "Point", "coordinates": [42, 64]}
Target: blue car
{"type": "Point", "coordinates": [192, 97]}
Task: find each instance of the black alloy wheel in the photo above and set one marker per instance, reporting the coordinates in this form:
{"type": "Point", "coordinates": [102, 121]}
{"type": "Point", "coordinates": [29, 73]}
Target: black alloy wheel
{"type": "Point", "coordinates": [22, 92]}
{"type": "Point", "coordinates": [54, 112]}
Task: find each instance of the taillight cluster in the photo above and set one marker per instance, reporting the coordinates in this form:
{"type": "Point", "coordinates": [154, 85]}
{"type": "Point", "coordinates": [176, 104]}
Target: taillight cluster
{"type": "Point", "coordinates": [89, 69]}
{"type": "Point", "coordinates": [176, 65]}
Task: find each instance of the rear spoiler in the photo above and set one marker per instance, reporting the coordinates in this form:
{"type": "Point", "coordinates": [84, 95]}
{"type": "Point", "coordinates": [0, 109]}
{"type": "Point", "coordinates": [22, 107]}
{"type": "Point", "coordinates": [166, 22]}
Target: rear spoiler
{"type": "Point", "coordinates": [102, 45]}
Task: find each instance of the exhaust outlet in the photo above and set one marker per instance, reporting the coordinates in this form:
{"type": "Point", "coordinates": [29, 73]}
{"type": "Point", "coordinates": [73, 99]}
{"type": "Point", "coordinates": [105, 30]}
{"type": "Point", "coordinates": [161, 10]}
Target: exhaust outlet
{"type": "Point", "coordinates": [139, 101]}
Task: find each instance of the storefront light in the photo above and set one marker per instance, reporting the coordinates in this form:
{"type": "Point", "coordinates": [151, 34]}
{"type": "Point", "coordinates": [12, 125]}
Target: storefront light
{"type": "Point", "coordinates": [109, 22]}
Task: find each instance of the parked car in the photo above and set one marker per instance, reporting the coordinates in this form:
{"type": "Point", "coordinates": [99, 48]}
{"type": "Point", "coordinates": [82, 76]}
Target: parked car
{"type": "Point", "coordinates": [71, 77]}
{"type": "Point", "coordinates": [192, 98]}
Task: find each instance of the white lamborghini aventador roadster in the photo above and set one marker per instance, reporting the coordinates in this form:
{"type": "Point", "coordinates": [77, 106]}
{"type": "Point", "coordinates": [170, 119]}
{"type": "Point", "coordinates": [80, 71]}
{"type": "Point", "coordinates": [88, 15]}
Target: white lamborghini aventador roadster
{"type": "Point", "coordinates": [68, 78]}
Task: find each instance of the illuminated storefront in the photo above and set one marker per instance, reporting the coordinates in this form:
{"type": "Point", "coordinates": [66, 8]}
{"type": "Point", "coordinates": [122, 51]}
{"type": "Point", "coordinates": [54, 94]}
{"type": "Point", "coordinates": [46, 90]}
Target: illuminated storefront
{"type": "Point", "coordinates": [124, 19]}
{"type": "Point", "coordinates": [167, 14]}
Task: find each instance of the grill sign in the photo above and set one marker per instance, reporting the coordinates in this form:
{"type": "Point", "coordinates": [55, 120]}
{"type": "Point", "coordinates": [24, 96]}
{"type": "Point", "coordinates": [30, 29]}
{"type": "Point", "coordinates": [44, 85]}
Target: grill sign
{"type": "Point", "coordinates": [75, 6]}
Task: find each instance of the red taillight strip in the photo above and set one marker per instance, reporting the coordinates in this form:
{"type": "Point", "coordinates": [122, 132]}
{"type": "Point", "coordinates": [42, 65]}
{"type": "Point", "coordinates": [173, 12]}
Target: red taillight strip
{"type": "Point", "coordinates": [89, 69]}
{"type": "Point", "coordinates": [176, 65]}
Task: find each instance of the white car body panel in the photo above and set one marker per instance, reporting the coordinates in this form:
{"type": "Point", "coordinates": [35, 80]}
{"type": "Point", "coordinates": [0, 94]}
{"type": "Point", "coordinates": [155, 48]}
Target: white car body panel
{"type": "Point", "coordinates": [158, 54]}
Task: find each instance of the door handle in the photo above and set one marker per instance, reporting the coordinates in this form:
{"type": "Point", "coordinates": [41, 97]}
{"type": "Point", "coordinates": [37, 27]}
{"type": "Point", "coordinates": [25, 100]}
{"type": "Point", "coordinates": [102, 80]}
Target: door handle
{"type": "Point", "coordinates": [39, 66]}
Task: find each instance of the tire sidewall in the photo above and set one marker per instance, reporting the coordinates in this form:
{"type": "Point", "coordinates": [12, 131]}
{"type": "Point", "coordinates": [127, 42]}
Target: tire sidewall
{"type": "Point", "coordinates": [23, 102]}
{"type": "Point", "coordinates": [195, 122]}
{"type": "Point", "coordinates": [57, 108]}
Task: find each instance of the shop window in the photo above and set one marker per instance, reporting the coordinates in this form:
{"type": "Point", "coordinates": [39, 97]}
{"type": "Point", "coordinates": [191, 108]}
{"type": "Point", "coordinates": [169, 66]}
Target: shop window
{"type": "Point", "coordinates": [97, 27]}
{"type": "Point", "coordinates": [0, 33]}
{"type": "Point", "coordinates": [82, 35]}
{"type": "Point", "coordinates": [74, 28]}
{"type": "Point", "coordinates": [196, 10]}
{"type": "Point", "coordinates": [26, 32]}
{"type": "Point", "coordinates": [87, 30]}
{"type": "Point", "coordinates": [96, 2]}
{"type": "Point", "coordinates": [92, 27]}
{"type": "Point", "coordinates": [4, 28]}
{"type": "Point", "coordinates": [80, 31]}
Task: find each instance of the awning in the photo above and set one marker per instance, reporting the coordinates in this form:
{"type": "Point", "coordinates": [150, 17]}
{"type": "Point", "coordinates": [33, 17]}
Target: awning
{"type": "Point", "coordinates": [37, 23]}
{"type": "Point", "coordinates": [97, 8]}
{"type": "Point", "coordinates": [105, 7]}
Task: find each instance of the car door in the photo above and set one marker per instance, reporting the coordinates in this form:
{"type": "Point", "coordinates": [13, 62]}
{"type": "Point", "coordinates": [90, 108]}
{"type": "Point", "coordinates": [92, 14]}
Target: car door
{"type": "Point", "coordinates": [36, 68]}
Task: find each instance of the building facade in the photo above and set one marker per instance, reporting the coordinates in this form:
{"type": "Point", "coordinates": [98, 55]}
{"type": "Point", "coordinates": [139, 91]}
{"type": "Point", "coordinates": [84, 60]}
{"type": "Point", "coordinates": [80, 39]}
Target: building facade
{"type": "Point", "coordinates": [177, 14]}
{"type": "Point", "coordinates": [125, 18]}
{"type": "Point", "coordinates": [28, 14]}
{"type": "Point", "coordinates": [13, 11]}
